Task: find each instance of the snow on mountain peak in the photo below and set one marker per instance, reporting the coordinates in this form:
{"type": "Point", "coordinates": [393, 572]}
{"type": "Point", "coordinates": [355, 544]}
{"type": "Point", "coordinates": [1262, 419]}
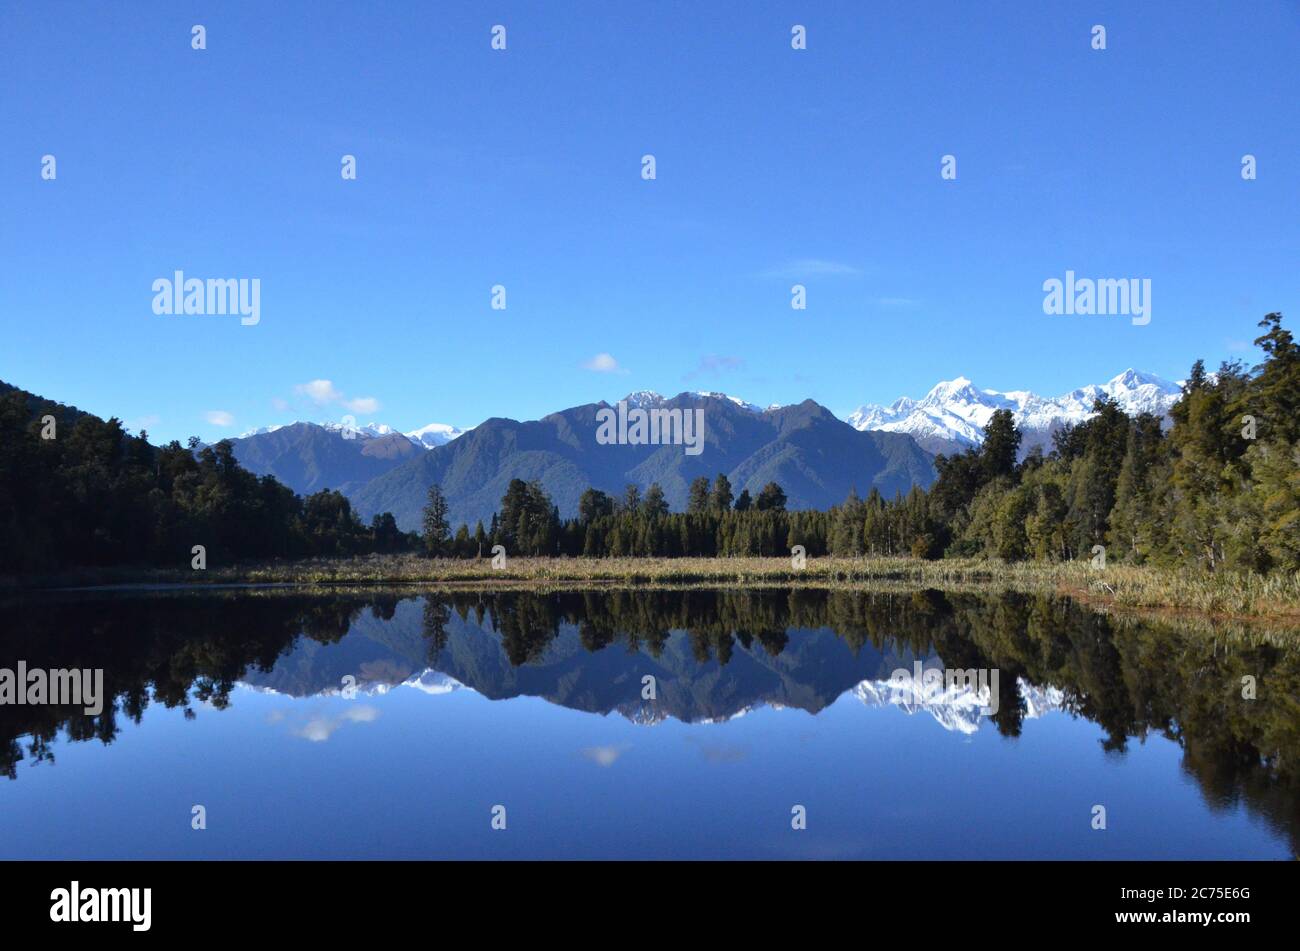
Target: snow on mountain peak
{"type": "Point", "coordinates": [435, 434]}
{"type": "Point", "coordinates": [955, 708]}
{"type": "Point", "coordinates": [643, 398]}
{"type": "Point", "coordinates": [647, 398]}
{"type": "Point", "coordinates": [952, 416]}
{"type": "Point", "coordinates": [950, 389]}
{"type": "Point", "coordinates": [743, 404]}
{"type": "Point", "coordinates": [263, 430]}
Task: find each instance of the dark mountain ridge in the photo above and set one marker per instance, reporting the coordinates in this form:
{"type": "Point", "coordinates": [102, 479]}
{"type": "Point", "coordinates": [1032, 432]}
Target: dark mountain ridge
{"type": "Point", "coordinates": [815, 457]}
{"type": "Point", "coordinates": [308, 458]}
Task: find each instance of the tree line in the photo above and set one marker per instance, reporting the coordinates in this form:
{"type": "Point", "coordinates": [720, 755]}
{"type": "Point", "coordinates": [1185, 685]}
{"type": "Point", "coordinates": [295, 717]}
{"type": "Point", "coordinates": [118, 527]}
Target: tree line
{"type": "Point", "coordinates": [77, 491]}
{"type": "Point", "coordinates": [716, 522]}
{"type": "Point", "coordinates": [1218, 487]}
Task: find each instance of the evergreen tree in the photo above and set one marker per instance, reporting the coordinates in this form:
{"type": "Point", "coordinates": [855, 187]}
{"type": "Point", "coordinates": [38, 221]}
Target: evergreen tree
{"type": "Point", "coordinates": [631, 502]}
{"type": "Point", "coordinates": [436, 530]}
{"type": "Point", "coordinates": [594, 504]}
{"type": "Point", "coordinates": [698, 500]}
{"type": "Point", "coordinates": [720, 501]}
{"type": "Point", "coordinates": [654, 506]}
{"type": "Point", "coordinates": [1001, 445]}
{"type": "Point", "coordinates": [771, 498]}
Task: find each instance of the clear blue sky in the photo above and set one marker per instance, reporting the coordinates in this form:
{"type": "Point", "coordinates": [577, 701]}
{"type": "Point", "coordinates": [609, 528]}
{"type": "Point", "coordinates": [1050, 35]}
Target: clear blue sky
{"type": "Point", "coordinates": [522, 168]}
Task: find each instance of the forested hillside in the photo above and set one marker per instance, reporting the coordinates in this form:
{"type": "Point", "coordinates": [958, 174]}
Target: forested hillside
{"type": "Point", "coordinates": [77, 490]}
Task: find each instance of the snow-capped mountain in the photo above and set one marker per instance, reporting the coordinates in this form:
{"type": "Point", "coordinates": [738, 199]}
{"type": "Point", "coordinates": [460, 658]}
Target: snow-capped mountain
{"type": "Point", "coordinates": [433, 682]}
{"type": "Point", "coordinates": [435, 434]}
{"type": "Point", "coordinates": [642, 399]}
{"type": "Point", "coordinates": [956, 709]}
{"type": "Point", "coordinates": [426, 437]}
{"type": "Point", "coordinates": [951, 417]}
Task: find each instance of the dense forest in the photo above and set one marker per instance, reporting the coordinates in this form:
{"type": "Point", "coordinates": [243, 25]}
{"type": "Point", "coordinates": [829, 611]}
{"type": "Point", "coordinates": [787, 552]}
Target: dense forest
{"type": "Point", "coordinates": [76, 490]}
{"type": "Point", "coordinates": [1220, 487]}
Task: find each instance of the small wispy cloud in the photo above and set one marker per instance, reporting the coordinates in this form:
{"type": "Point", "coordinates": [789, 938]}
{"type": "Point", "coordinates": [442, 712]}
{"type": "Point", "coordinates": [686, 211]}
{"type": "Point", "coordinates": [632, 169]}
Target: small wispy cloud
{"type": "Point", "coordinates": [719, 752]}
{"type": "Point", "coordinates": [897, 301]}
{"type": "Point", "coordinates": [714, 365]}
{"type": "Point", "coordinates": [219, 417]}
{"type": "Point", "coordinates": [603, 363]}
{"type": "Point", "coordinates": [320, 727]}
{"type": "Point", "coordinates": [320, 392]}
{"type": "Point", "coordinates": [325, 393]}
{"type": "Point", "coordinates": [365, 405]}
{"type": "Point", "coordinates": [604, 755]}
{"type": "Point", "coordinates": [813, 267]}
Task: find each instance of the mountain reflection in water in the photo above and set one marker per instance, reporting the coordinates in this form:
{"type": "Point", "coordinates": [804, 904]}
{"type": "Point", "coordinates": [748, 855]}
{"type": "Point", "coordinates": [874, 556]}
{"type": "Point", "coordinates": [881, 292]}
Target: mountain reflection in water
{"type": "Point", "coordinates": [714, 656]}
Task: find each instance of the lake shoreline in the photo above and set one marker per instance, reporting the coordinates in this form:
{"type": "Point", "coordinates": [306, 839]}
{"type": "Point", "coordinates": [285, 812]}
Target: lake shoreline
{"type": "Point", "coordinates": [1222, 596]}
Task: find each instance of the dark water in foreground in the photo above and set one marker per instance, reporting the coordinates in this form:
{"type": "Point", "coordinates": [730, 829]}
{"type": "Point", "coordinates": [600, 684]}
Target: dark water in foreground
{"type": "Point", "coordinates": [763, 702]}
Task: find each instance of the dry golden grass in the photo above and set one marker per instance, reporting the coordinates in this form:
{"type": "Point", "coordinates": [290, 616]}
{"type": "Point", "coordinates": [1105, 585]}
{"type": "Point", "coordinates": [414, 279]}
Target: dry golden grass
{"type": "Point", "coordinates": [1223, 595]}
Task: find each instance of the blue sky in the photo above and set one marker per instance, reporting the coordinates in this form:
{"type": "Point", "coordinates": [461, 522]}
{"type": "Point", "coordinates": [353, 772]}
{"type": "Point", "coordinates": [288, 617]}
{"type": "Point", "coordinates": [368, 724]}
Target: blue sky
{"type": "Point", "coordinates": [522, 168]}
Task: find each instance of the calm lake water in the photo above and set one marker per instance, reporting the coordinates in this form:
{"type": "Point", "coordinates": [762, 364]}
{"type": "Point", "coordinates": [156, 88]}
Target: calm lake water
{"type": "Point", "coordinates": [642, 725]}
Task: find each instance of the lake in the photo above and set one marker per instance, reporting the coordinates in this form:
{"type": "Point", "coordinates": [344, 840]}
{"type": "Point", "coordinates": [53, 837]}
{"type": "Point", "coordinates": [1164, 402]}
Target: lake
{"type": "Point", "coordinates": [642, 724]}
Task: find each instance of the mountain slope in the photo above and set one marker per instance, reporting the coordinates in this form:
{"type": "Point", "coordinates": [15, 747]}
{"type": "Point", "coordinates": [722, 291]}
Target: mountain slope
{"type": "Point", "coordinates": [951, 417]}
{"type": "Point", "coordinates": [307, 457]}
{"type": "Point", "coordinates": [815, 456]}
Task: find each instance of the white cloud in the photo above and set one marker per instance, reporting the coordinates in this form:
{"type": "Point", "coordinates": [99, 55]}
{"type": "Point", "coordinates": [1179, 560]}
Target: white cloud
{"type": "Point", "coordinates": [319, 392]}
{"type": "Point", "coordinates": [219, 417]}
{"type": "Point", "coordinates": [365, 405]}
{"type": "Point", "coordinates": [604, 755]}
{"type": "Point", "coordinates": [325, 393]}
{"type": "Point", "coordinates": [813, 267]}
{"type": "Point", "coordinates": [321, 726]}
{"type": "Point", "coordinates": [603, 363]}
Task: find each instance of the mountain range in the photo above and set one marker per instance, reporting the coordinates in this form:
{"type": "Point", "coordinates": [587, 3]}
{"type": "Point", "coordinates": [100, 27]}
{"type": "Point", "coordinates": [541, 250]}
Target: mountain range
{"type": "Point", "coordinates": [814, 669]}
{"type": "Point", "coordinates": [951, 417]}
{"type": "Point", "coordinates": [435, 434]}
{"type": "Point", "coordinates": [816, 457]}
{"type": "Point", "coordinates": [309, 457]}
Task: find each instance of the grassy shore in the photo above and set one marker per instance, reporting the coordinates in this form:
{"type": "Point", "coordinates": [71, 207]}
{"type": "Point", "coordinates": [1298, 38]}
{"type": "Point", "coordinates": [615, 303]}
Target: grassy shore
{"type": "Point", "coordinates": [1223, 594]}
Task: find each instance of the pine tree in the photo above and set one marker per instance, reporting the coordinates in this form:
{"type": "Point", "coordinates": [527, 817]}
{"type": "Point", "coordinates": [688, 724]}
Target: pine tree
{"type": "Point", "coordinates": [771, 498]}
{"type": "Point", "coordinates": [654, 506]}
{"type": "Point", "coordinates": [631, 502]}
{"type": "Point", "coordinates": [1001, 445]}
{"type": "Point", "coordinates": [721, 499]}
{"type": "Point", "coordinates": [434, 521]}
{"type": "Point", "coordinates": [698, 500]}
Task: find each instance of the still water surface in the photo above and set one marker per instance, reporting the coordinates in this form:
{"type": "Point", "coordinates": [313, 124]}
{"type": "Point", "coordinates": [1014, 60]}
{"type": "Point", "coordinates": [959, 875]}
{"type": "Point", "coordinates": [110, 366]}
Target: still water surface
{"type": "Point", "coordinates": [763, 701]}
